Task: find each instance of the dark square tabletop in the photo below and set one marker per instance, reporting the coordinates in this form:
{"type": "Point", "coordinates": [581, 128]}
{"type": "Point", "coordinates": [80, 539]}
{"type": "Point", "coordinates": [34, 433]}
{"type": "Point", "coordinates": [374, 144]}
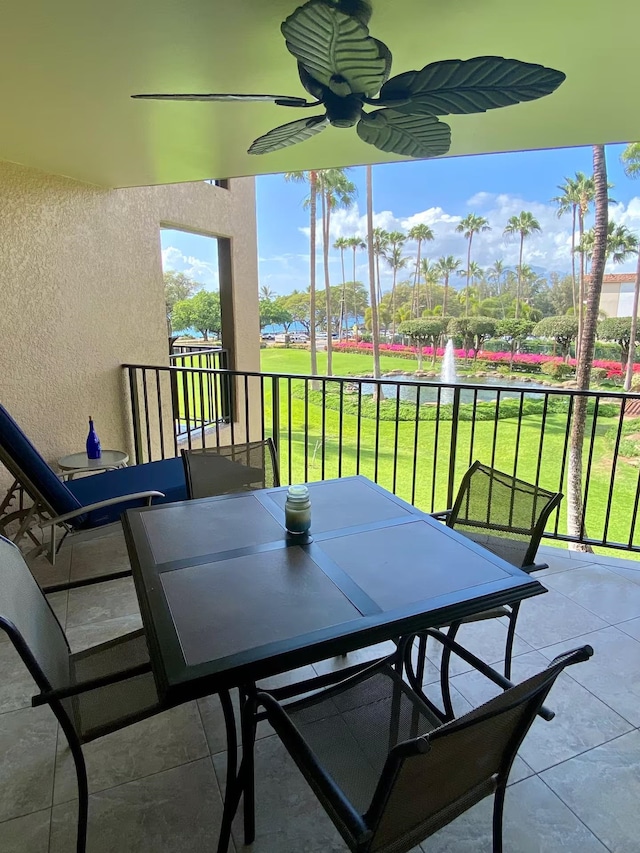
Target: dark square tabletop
{"type": "Point", "coordinates": [228, 597]}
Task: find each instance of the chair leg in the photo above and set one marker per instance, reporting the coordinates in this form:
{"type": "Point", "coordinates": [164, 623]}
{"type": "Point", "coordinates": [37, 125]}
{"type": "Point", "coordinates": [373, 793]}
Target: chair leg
{"type": "Point", "coordinates": [498, 809]}
{"type": "Point", "coordinates": [232, 792]}
{"type": "Point", "coordinates": [445, 662]}
{"type": "Point", "coordinates": [511, 632]}
{"type": "Point", "coordinates": [83, 791]}
{"type": "Point", "coordinates": [247, 770]}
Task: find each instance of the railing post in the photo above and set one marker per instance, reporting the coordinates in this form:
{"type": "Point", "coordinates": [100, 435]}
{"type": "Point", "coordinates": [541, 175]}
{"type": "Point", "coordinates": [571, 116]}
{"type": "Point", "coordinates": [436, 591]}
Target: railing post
{"type": "Point", "coordinates": [453, 445]}
{"type": "Point", "coordinates": [275, 410]}
{"type": "Point", "coordinates": [135, 415]}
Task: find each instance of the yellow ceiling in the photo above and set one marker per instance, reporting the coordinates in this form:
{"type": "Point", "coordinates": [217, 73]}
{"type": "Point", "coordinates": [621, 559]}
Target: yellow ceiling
{"type": "Point", "coordinates": [67, 69]}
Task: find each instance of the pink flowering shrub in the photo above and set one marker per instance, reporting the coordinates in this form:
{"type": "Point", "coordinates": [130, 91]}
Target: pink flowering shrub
{"type": "Point", "coordinates": [531, 360]}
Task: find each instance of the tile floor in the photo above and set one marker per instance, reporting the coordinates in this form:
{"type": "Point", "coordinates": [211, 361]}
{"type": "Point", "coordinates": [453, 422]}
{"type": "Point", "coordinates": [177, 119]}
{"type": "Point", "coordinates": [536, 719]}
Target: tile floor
{"type": "Point", "coordinates": [156, 787]}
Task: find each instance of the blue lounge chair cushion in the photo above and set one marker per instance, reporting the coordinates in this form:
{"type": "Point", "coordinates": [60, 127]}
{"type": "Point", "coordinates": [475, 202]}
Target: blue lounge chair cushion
{"type": "Point", "coordinates": [165, 476]}
{"type": "Point", "coordinates": [17, 446]}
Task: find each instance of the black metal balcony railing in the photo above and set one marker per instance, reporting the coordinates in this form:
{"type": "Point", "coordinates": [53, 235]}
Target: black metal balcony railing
{"type": "Point", "coordinates": [417, 441]}
{"type": "Point", "coordinates": [186, 356]}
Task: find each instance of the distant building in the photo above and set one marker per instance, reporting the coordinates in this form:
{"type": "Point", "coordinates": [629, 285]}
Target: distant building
{"type": "Point", "coordinates": [616, 299]}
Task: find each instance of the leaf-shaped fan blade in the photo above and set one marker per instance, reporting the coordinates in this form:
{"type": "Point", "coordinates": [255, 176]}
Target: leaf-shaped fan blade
{"type": "Point", "coordinates": [470, 86]}
{"type": "Point", "coordinates": [281, 100]}
{"type": "Point", "coordinates": [336, 49]}
{"type": "Point", "coordinates": [412, 135]}
{"type": "Point", "coordinates": [288, 134]}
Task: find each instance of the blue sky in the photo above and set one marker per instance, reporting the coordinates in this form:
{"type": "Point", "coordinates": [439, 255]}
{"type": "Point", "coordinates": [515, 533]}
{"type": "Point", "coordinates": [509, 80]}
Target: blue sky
{"type": "Point", "coordinates": [438, 192]}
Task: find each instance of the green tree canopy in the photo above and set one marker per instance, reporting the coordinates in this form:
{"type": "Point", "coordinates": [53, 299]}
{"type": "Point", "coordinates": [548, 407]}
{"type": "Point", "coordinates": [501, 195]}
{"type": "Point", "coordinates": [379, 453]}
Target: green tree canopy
{"type": "Point", "coordinates": [177, 287]}
{"type": "Point", "coordinates": [563, 330]}
{"type": "Point", "coordinates": [424, 330]}
{"type": "Point", "coordinates": [515, 331]}
{"type": "Point", "coordinates": [482, 328]}
{"type": "Point", "coordinates": [200, 312]}
{"type": "Point", "coordinates": [274, 312]}
{"type": "Point", "coordinates": [617, 329]}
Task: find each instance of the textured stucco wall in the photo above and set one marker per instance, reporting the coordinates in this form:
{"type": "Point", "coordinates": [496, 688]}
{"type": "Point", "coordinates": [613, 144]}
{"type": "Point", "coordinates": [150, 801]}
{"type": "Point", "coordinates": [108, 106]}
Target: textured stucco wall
{"type": "Point", "coordinates": [81, 293]}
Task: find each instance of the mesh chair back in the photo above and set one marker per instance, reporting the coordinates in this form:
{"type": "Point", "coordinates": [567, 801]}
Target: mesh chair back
{"type": "Point", "coordinates": [211, 471]}
{"type": "Point", "coordinates": [502, 513]}
{"type": "Point", "coordinates": [458, 764]}
{"type": "Point", "coordinates": [26, 616]}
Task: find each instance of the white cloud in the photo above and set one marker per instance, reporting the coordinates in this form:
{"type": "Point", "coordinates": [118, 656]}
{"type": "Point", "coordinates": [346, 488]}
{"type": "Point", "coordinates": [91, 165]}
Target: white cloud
{"type": "Point", "coordinates": [204, 272]}
{"type": "Point", "coordinates": [548, 250]}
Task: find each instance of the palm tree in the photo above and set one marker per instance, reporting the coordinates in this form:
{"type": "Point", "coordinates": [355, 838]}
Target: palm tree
{"type": "Point", "coordinates": [447, 265]}
{"type": "Point", "coordinates": [569, 201]}
{"type": "Point", "coordinates": [342, 243]}
{"type": "Point", "coordinates": [394, 258]}
{"type": "Point", "coordinates": [631, 162]}
{"type": "Point", "coordinates": [585, 188]}
{"type": "Point", "coordinates": [396, 261]}
{"type": "Point", "coordinates": [470, 225]}
{"type": "Point", "coordinates": [575, 508]}
{"type": "Point", "coordinates": [380, 246]}
{"type": "Point", "coordinates": [336, 191]}
{"type": "Point", "coordinates": [430, 273]}
{"type": "Point", "coordinates": [621, 242]}
{"type": "Point", "coordinates": [495, 274]}
{"type": "Point", "coordinates": [420, 234]}
{"type": "Point", "coordinates": [355, 243]}
{"type": "Point", "coordinates": [266, 292]}
{"type": "Point", "coordinates": [310, 202]}
{"type": "Point", "coordinates": [372, 285]}
{"type": "Point", "coordinates": [525, 224]}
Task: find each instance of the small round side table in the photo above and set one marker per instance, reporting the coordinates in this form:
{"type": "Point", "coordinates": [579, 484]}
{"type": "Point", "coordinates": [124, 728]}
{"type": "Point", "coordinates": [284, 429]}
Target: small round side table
{"type": "Point", "coordinates": [79, 463]}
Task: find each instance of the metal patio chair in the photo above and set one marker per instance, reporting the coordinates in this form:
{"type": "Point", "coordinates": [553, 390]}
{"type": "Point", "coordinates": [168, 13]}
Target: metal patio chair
{"type": "Point", "coordinates": [507, 516]}
{"type": "Point", "coordinates": [386, 764]}
{"type": "Point", "coordinates": [93, 692]}
{"type": "Point", "coordinates": [211, 471]}
{"type": "Point", "coordinates": [76, 505]}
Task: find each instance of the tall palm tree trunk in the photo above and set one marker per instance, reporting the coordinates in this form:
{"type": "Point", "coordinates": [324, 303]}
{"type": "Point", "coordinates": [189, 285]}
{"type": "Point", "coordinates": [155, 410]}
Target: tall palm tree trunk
{"type": "Point", "coordinates": [313, 200]}
{"type": "Point", "coordinates": [519, 284]}
{"type": "Point", "coordinates": [355, 297]}
{"type": "Point", "coordinates": [575, 507]}
{"type": "Point", "coordinates": [573, 256]}
{"type": "Point", "coordinates": [343, 299]}
{"type": "Point", "coordinates": [466, 306]}
{"type": "Point", "coordinates": [326, 216]}
{"type": "Point", "coordinates": [416, 279]}
{"type": "Point", "coordinates": [393, 305]}
{"type": "Point", "coordinates": [634, 331]}
{"type": "Point", "coordinates": [580, 287]}
{"type": "Point", "coordinates": [372, 286]}
{"type": "Point", "coordinates": [446, 294]}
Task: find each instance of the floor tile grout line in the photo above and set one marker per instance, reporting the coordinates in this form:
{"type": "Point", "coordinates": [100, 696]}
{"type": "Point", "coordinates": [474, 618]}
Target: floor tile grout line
{"type": "Point", "coordinates": [131, 781]}
{"type": "Point", "coordinates": [577, 816]}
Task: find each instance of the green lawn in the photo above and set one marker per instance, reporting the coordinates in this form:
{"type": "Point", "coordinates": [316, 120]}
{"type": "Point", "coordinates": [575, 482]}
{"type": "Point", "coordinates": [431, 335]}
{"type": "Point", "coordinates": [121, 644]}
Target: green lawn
{"type": "Point", "coordinates": [429, 446]}
{"type": "Point", "coordinates": [413, 460]}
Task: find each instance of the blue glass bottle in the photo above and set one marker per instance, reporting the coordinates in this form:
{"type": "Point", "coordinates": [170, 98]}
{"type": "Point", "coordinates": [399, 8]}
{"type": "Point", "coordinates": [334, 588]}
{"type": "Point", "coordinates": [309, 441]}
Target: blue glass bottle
{"type": "Point", "coordinates": [93, 442]}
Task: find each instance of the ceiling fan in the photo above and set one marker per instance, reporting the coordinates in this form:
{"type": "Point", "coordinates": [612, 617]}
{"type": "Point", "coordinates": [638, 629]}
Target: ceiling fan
{"type": "Point", "coordinates": [345, 70]}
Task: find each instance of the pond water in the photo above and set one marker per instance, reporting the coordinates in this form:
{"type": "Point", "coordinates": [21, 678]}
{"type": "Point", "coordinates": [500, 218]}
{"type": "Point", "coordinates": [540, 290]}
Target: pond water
{"type": "Point", "coordinates": [429, 393]}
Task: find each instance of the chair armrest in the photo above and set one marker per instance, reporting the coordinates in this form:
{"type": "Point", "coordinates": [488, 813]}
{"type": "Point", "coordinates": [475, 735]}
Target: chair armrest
{"type": "Point", "coordinates": [478, 664]}
{"type": "Point", "coordinates": [309, 765]}
{"type": "Point", "coordinates": [441, 515]}
{"type": "Point", "coordinates": [92, 684]}
{"type": "Point", "coordinates": [59, 519]}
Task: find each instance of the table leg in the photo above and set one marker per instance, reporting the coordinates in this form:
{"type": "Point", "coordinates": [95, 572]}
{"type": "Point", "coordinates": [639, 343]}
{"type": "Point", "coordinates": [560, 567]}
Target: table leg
{"type": "Point", "coordinates": [232, 788]}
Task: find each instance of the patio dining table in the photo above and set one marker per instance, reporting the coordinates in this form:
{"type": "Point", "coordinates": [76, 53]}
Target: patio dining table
{"type": "Point", "coordinates": [228, 597]}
